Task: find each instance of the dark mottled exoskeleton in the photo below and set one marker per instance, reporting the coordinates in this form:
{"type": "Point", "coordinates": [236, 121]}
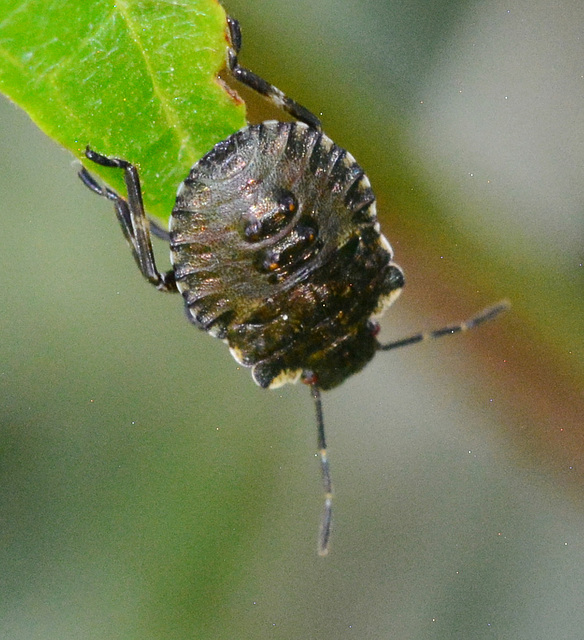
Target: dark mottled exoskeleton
{"type": "Point", "coordinates": [276, 249]}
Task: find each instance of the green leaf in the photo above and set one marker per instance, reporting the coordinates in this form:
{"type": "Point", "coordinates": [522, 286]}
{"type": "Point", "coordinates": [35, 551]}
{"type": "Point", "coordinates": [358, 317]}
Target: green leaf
{"type": "Point", "coordinates": [133, 79]}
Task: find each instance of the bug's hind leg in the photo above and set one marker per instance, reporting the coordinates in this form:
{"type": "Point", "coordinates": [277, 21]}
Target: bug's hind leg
{"type": "Point", "coordinates": [132, 218]}
{"type": "Point", "coordinates": [253, 81]}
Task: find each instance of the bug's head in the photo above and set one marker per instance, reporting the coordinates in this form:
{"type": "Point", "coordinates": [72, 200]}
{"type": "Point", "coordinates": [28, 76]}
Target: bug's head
{"type": "Point", "coordinates": [332, 366]}
{"type": "Point", "coordinates": [339, 359]}
{"type": "Point", "coordinates": [325, 368]}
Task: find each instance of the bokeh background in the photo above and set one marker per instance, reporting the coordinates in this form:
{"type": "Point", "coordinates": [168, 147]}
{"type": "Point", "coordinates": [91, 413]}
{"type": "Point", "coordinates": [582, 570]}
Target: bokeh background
{"type": "Point", "coordinates": [148, 489]}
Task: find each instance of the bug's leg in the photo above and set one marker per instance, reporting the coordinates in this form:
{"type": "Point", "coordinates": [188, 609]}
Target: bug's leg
{"type": "Point", "coordinates": [157, 231]}
{"type": "Point", "coordinates": [325, 524]}
{"type": "Point", "coordinates": [90, 182]}
{"type": "Point", "coordinates": [253, 81]}
{"type": "Point", "coordinates": [120, 204]}
{"type": "Point", "coordinates": [132, 218]}
{"type": "Point", "coordinates": [471, 323]}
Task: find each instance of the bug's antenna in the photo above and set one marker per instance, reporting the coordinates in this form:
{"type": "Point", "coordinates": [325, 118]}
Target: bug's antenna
{"type": "Point", "coordinates": [471, 323]}
{"type": "Point", "coordinates": [325, 525]}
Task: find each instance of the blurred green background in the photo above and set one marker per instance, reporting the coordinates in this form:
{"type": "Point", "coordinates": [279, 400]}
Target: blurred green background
{"type": "Point", "coordinates": [150, 490]}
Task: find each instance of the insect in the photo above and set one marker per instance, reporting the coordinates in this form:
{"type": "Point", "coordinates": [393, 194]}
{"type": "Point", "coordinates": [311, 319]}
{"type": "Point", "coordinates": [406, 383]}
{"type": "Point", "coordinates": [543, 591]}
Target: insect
{"type": "Point", "coordinates": [276, 249]}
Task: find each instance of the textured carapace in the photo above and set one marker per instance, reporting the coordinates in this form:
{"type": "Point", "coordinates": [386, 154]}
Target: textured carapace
{"type": "Point", "coordinates": [276, 249]}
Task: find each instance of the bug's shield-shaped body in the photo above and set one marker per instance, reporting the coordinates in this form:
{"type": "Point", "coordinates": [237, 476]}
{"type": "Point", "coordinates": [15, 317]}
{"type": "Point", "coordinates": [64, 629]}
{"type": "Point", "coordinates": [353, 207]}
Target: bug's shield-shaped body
{"type": "Point", "coordinates": [276, 250]}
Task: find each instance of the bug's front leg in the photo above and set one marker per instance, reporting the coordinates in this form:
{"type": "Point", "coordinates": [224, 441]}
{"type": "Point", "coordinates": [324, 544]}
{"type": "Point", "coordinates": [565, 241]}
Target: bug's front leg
{"type": "Point", "coordinates": [131, 216]}
{"type": "Point", "coordinates": [484, 316]}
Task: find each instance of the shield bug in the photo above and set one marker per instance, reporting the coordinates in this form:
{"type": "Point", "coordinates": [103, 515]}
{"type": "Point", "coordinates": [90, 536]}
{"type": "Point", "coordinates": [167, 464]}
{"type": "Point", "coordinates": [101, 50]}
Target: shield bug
{"type": "Point", "coordinates": [276, 249]}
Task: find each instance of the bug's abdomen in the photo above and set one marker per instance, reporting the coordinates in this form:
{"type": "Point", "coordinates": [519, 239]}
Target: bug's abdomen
{"type": "Point", "coordinates": [276, 248]}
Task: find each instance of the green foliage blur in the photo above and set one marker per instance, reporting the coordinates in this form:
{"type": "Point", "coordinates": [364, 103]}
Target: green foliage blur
{"type": "Point", "coordinates": [136, 80]}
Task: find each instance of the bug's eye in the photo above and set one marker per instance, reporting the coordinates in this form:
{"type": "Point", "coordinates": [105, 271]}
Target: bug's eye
{"type": "Point", "coordinates": [270, 215]}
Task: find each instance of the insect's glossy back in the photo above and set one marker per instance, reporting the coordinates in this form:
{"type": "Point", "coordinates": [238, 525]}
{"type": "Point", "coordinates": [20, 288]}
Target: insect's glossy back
{"type": "Point", "coordinates": [276, 249]}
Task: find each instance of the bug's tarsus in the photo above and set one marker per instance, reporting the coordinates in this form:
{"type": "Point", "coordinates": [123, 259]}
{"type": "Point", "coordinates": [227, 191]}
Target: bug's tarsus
{"type": "Point", "coordinates": [325, 525]}
{"type": "Point", "coordinates": [132, 218]}
{"type": "Point", "coordinates": [264, 88]}
{"type": "Point", "coordinates": [91, 183]}
{"type": "Point", "coordinates": [484, 316]}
